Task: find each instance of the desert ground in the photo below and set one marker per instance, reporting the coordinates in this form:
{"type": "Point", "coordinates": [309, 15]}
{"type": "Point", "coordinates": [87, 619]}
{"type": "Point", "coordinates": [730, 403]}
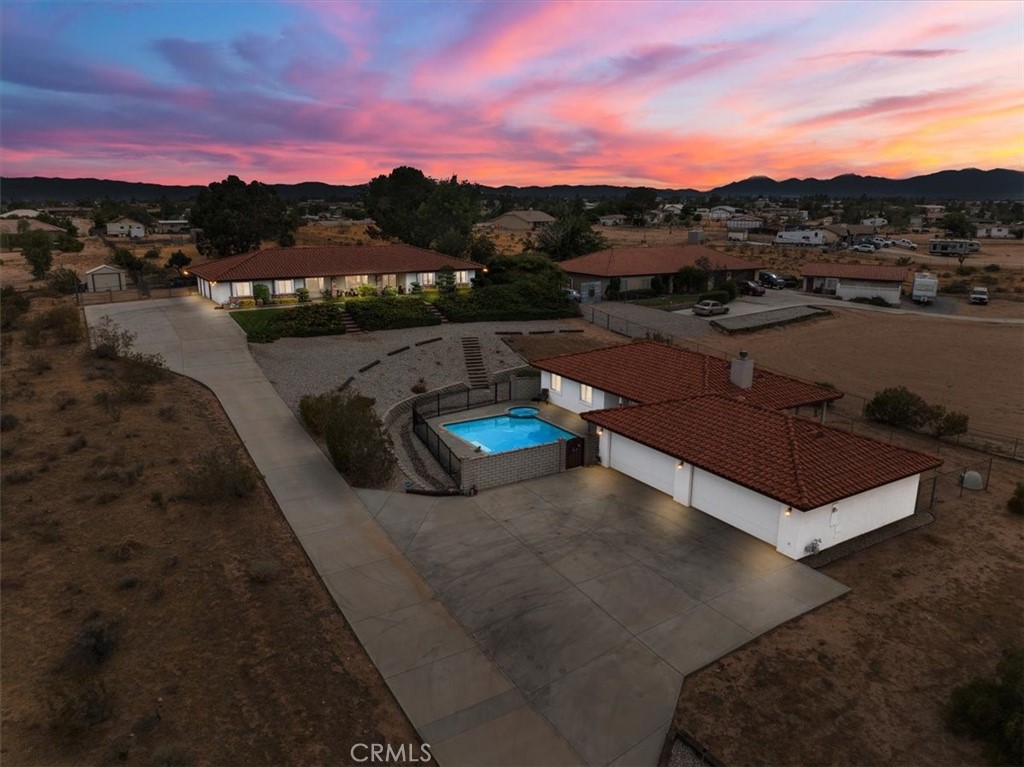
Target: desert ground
{"type": "Point", "coordinates": [226, 649]}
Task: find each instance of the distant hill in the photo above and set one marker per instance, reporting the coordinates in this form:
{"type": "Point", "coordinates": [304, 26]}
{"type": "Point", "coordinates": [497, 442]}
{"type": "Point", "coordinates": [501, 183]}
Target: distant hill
{"type": "Point", "coordinates": [968, 184]}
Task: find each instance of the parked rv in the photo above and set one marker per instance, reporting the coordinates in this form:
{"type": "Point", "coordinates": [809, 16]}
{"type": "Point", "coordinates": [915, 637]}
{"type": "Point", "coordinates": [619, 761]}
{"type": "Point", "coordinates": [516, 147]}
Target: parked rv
{"type": "Point", "coordinates": [926, 287]}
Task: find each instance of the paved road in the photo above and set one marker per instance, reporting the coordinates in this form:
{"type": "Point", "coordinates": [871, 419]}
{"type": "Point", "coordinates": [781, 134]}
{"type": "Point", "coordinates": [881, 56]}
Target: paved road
{"type": "Point", "coordinates": [545, 623]}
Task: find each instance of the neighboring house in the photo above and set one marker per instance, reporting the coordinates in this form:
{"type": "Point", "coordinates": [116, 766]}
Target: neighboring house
{"type": "Point", "coordinates": [993, 231]}
{"type": "Point", "coordinates": [21, 213]}
{"type": "Point", "coordinates": [10, 226]}
{"type": "Point", "coordinates": [848, 281]}
{"type": "Point", "coordinates": [636, 266]}
{"type": "Point", "coordinates": [522, 220]}
{"type": "Point", "coordinates": [615, 219]}
{"type": "Point", "coordinates": [847, 234]}
{"type": "Point", "coordinates": [172, 226]}
{"type": "Point", "coordinates": [876, 221]}
{"type": "Point", "coordinates": [801, 237]}
{"type": "Point", "coordinates": [712, 434]}
{"type": "Point", "coordinates": [106, 277]}
{"type": "Point", "coordinates": [744, 221]}
{"type": "Point", "coordinates": [932, 213]}
{"type": "Point", "coordinates": [125, 227]}
{"type": "Point", "coordinates": [328, 270]}
{"type": "Point", "coordinates": [721, 212]}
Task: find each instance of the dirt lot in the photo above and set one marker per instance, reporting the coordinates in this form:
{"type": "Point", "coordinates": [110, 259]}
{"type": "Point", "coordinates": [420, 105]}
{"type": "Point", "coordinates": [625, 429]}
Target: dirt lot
{"type": "Point", "coordinates": [217, 660]}
{"type": "Point", "coordinates": [862, 680]}
{"type": "Point", "coordinates": [538, 347]}
{"type": "Point", "coordinates": [972, 367]}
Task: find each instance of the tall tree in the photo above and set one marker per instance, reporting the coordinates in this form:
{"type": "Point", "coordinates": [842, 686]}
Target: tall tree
{"type": "Point", "coordinates": [958, 225]}
{"type": "Point", "coordinates": [236, 217]}
{"type": "Point", "coordinates": [416, 209]}
{"type": "Point", "coordinates": [36, 250]}
{"type": "Point", "coordinates": [568, 237]}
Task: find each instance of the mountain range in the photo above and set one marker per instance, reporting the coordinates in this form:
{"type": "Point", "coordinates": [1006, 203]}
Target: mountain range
{"type": "Point", "coordinates": [967, 184]}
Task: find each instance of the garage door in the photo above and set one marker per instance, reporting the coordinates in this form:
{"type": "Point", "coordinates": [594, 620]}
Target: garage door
{"type": "Point", "coordinates": [751, 512]}
{"type": "Point", "coordinates": [642, 463]}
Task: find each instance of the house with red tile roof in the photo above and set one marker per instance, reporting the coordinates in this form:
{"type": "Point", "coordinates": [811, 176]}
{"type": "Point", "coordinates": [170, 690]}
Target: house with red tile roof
{"type": "Point", "coordinates": [848, 281]}
{"type": "Point", "coordinates": [717, 435]}
{"type": "Point", "coordinates": [636, 266]}
{"type": "Point", "coordinates": [326, 270]}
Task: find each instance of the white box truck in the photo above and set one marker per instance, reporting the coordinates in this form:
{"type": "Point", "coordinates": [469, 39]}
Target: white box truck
{"type": "Point", "coordinates": [926, 286]}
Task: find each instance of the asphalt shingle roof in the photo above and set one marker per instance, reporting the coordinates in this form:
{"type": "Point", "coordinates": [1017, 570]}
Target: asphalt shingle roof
{"type": "Point", "coordinates": [651, 372]}
{"type": "Point", "coordinates": [641, 261]}
{"type": "Point", "coordinates": [793, 460]}
{"type": "Point", "coordinates": [327, 261]}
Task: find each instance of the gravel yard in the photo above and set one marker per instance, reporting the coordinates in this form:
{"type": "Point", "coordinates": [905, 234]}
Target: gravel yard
{"type": "Point", "coordinates": [298, 366]}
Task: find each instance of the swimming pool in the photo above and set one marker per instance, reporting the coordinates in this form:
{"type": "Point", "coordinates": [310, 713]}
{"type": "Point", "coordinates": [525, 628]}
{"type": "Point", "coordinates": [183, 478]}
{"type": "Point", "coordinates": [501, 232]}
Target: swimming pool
{"type": "Point", "coordinates": [502, 433]}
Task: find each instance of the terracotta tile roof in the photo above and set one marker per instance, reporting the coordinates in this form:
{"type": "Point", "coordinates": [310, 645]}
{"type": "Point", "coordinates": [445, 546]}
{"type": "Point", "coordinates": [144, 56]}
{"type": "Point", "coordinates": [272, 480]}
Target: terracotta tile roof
{"type": "Point", "coordinates": [651, 372]}
{"type": "Point", "coordinates": [877, 272]}
{"type": "Point", "coordinates": [327, 261]}
{"type": "Point", "coordinates": [793, 460]}
{"type": "Point", "coordinates": [641, 261]}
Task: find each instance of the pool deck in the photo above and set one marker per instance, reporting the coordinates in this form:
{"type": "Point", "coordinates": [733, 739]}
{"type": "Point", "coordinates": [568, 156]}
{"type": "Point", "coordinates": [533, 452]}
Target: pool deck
{"type": "Point", "coordinates": [550, 413]}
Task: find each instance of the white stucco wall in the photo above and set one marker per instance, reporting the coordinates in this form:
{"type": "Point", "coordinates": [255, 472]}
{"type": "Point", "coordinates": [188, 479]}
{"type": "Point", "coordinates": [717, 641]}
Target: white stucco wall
{"type": "Point", "coordinates": [651, 467]}
{"type": "Point", "coordinates": [569, 396]}
{"type": "Point", "coordinates": [889, 291]}
{"type": "Point", "coordinates": [854, 516]}
{"type": "Point", "coordinates": [219, 292]}
{"type": "Point", "coordinates": [736, 505]}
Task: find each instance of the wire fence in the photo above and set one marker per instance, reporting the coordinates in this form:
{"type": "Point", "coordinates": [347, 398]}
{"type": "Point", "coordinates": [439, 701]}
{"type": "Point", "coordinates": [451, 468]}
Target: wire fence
{"type": "Point", "coordinates": [951, 483]}
{"type": "Point", "coordinates": [846, 413]}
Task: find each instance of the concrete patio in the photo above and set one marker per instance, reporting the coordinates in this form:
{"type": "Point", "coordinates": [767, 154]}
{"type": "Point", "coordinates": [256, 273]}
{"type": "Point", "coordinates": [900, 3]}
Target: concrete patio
{"type": "Point", "coordinates": [545, 623]}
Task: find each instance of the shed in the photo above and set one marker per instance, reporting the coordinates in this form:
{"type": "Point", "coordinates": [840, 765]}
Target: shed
{"type": "Point", "coordinates": [105, 277]}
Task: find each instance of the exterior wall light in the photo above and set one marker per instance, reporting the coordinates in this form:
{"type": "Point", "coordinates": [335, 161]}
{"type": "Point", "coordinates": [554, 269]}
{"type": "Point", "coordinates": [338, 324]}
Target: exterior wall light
{"type": "Point", "coordinates": [789, 511]}
{"type": "Point", "coordinates": [600, 431]}
{"type": "Point", "coordinates": [680, 465]}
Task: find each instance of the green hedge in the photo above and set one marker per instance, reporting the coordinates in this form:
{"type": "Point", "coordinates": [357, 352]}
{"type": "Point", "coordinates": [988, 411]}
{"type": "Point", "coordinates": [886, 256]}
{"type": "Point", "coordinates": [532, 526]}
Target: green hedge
{"type": "Point", "coordinates": [266, 325]}
{"type": "Point", "coordinates": [722, 296]}
{"type": "Point", "coordinates": [498, 303]}
{"type": "Point", "coordinates": [390, 312]}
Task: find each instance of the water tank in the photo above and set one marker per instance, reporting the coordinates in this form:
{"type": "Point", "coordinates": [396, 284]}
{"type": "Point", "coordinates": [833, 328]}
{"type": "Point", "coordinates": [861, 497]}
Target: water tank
{"type": "Point", "coordinates": [972, 480]}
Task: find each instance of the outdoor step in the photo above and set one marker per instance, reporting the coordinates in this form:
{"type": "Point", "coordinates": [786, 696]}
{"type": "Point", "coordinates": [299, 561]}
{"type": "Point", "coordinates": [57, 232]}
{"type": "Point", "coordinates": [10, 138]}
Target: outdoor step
{"type": "Point", "coordinates": [474, 358]}
{"type": "Point", "coordinates": [435, 311]}
{"type": "Point", "coordinates": [349, 323]}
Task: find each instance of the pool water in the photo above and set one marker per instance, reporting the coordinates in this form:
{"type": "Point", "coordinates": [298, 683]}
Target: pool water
{"type": "Point", "coordinates": [502, 433]}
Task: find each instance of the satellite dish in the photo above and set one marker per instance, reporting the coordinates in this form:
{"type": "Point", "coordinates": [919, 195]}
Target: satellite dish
{"type": "Point", "coordinates": [971, 480]}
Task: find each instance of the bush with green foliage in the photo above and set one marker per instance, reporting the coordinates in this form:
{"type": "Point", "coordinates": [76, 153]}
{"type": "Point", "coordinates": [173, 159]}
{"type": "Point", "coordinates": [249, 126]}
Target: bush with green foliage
{"type": "Point", "coordinates": [37, 253]}
{"type": "Point", "coordinates": [78, 706]}
{"type": "Point", "coordinates": [946, 423]}
{"type": "Point", "coordinates": [303, 295]}
{"type": "Point", "coordinates": [307, 320]}
{"type": "Point", "coordinates": [991, 709]}
{"type": "Point", "coordinates": [722, 296]}
{"type": "Point", "coordinates": [65, 243]}
{"type": "Point", "coordinates": [178, 260]}
{"type": "Point", "coordinates": [315, 409]}
{"type": "Point", "coordinates": [357, 442]}
{"type": "Point", "coordinates": [497, 303]}
{"type": "Point", "coordinates": [730, 287]}
{"type": "Point", "coordinates": [1015, 504]}
{"type": "Point", "coordinates": [898, 406]}
{"type": "Point", "coordinates": [872, 301]}
{"type": "Point", "coordinates": [63, 323]}
{"type": "Point", "coordinates": [261, 293]}
{"type": "Point", "coordinates": [446, 281]}
{"type": "Point", "coordinates": [390, 312]}
{"type": "Point", "coordinates": [236, 217]}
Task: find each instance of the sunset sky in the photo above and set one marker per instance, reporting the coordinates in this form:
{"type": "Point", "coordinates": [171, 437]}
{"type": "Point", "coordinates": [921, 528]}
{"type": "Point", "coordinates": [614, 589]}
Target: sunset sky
{"type": "Point", "coordinates": [666, 94]}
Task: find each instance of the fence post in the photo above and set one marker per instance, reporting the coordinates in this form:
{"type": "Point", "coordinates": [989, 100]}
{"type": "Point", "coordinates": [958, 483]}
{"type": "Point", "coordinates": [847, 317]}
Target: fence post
{"type": "Point", "coordinates": [931, 501]}
{"type": "Point", "coordinates": [438, 404]}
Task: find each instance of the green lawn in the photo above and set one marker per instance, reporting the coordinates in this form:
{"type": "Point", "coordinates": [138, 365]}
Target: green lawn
{"type": "Point", "coordinates": [256, 319]}
{"type": "Point", "coordinates": [668, 303]}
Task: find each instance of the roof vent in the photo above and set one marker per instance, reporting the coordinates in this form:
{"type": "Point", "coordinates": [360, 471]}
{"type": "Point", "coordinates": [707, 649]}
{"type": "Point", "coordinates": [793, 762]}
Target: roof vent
{"type": "Point", "coordinates": [741, 372]}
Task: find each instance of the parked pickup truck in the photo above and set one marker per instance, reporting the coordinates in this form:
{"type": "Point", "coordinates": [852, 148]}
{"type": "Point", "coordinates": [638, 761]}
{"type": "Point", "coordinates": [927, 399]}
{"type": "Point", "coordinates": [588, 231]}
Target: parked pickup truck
{"type": "Point", "coordinates": [978, 296]}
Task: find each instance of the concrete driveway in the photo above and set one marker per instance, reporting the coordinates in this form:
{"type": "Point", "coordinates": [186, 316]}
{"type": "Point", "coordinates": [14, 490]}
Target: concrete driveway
{"type": "Point", "coordinates": [546, 623]}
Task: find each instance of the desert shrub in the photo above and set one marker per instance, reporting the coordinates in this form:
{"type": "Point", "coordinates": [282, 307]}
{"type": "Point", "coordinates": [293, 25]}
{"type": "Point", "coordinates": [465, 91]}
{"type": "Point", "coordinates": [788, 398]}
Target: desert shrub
{"type": "Point", "coordinates": [261, 293]}
{"type": "Point", "coordinates": [142, 369]}
{"type": "Point", "coordinates": [730, 287]}
{"type": "Point", "coordinates": [132, 392]}
{"type": "Point", "coordinates": [898, 406]}
{"type": "Point", "coordinates": [9, 421]}
{"type": "Point", "coordinates": [963, 271]}
{"type": "Point", "coordinates": [958, 287]}
{"type": "Point", "coordinates": [1015, 504]}
{"type": "Point", "coordinates": [315, 409]}
{"type": "Point", "coordinates": [419, 387]}
{"type": "Point", "coordinates": [12, 306]}
{"type": "Point", "coordinates": [63, 280]}
{"type": "Point", "coordinates": [77, 444]}
{"type": "Point", "coordinates": [357, 442]}
{"type": "Point", "coordinates": [513, 301]}
{"type": "Point", "coordinates": [221, 474]}
{"type": "Point", "coordinates": [872, 301]}
{"type": "Point", "coordinates": [947, 423]}
{"type": "Point", "coordinates": [92, 646]}
{"type": "Point", "coordinates": [991, 709]}
{"type": "Point", "coordinates": [303, 295]}
{"type": "Point", "coordinates": [992, 268]}
{"type": "Point", "coordinates": [38, 364]}
{"type": "Point", "coordinates": [19, 477]}
{"type": "Point", "coordinates": [110, 341]}
{"type": "Point", "coordinates": [390, 312]}
{"type": "Point", "coordinates": [287, 301]}
{"type": "Point", "coordinates": [65, 399]}
{"type": "Point", "coordinates": [77, 707]}
{"type": "Point", "coordinates": [263, 572]}
{"type": "Point", "coordinates": [247, 303]}
{"type": "Point", "coordinates": [167, 413]}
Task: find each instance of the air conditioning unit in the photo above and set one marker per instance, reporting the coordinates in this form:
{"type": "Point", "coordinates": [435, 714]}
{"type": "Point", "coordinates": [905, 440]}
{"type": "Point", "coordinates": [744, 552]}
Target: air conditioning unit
{"type": "Point", "coordinates": [813, 547]}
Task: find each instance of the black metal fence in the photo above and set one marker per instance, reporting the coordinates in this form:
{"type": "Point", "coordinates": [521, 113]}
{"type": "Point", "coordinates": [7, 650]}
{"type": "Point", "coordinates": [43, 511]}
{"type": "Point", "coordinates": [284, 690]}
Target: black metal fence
{"type": "Point", "coordinates": [445, 457]}
{"type": "Point", "coordinates": [949, 484]}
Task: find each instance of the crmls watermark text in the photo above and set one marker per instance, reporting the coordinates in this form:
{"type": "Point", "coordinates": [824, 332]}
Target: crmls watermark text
{"type": "Point", "coordinates": [380, 753]}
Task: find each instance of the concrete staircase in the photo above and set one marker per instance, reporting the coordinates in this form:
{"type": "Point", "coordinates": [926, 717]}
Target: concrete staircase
{"type": "Point", "coordinates": [435, 311]}
{"type": "Point", "coordinates": [475, 367]}
{"type": "Point", "coordinates": [349, 323]}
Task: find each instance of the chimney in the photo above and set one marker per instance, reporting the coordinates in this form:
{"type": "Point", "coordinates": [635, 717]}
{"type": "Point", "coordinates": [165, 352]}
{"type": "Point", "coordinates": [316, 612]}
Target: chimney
{"type": "Point", "coordinates": [741, 372]}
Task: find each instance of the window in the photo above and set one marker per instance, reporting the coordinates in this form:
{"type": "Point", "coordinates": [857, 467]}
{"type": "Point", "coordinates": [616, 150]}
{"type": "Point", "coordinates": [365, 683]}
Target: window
{"type": "Point", "coordinates": [586, 394]}
{"type": "Point", "coordinates": [426, 279]}
{"type": "Point", "coordinates": [461, 278]}
{"type": "Point", "coordinates": [241, 288]}
{"type": "Point", "coordinates": [283, 287]}
{"type": "Point", "coordinates": [389, 280]}
{"type": "Point", "coordinates": [353, 281]}
{"type": "Point", "coordinates": [300, 283]}
{"type": "Point", "coordinates": [556, 382]}
{"type": "Point", "coordinates": [314, 283]}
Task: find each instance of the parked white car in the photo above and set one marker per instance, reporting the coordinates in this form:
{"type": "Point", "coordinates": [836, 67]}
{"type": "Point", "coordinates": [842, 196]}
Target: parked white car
{"type": "Point", "coordinates": [906, 244]}
{"type": "Point", "coordinates": [709, 308]}
{"type": "Point", "coordinates": [864, 247]}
